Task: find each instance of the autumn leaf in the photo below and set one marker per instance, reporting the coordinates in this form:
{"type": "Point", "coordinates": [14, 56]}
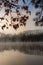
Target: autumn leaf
{"type": "Point", "coordinates": [0, 4]}
{"type": "Point", "coordinates": [21, 24]}
{"type": "Point", "coordinates": [14, 19]}
{"type": "Point", "coordinates": [24, 24]}
{"type": "Point", "coordinates": [7, 27]}
{"type": "Point", "coordinates": [16, 26]}
{"type": "Point", "coordinates": [23, 1]}
{"type": "Point", "coordinates": [6, 11]}
{"type": "Point", "coordinates": [2, 18]}
{"type": "Point", "coordinates": [10, 24]}
{"type": "Point", "coordinates": [6, 4]}
{"type": "Point", "coordinates": [27, 17]}
{"type": "Point", "coordinates": [17, 11]}
{"type": "Point", "coordinates": [3, 27]}
{"type": "Point", "coordinates": [25, 7]}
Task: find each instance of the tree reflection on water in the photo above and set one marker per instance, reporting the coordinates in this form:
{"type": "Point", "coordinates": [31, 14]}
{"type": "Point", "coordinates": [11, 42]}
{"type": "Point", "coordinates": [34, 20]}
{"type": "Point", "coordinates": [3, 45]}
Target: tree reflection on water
{"type": "Point", "coordinates": [12, 57]}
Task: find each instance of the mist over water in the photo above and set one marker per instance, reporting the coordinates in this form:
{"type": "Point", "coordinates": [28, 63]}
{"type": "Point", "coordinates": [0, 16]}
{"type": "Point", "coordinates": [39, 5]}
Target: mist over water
{"type": "Point", "coordinates": [17, 54]}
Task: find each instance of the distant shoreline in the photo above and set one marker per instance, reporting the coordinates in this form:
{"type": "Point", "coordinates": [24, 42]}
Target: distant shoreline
{"type": "Point", "coordinates": [22, 38]}
{"type": "Point", "coordinates": [32, 48]}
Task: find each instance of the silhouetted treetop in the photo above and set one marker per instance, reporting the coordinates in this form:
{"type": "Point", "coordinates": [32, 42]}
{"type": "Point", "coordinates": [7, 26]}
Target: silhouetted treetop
{"type": "Point", "coordinates": [38, 4]}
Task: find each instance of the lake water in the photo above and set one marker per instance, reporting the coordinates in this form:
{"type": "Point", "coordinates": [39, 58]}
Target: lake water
{"type": "Point", "coordinates": [12, 57]}
{"type": "Point", "coordinates": [16, 57]}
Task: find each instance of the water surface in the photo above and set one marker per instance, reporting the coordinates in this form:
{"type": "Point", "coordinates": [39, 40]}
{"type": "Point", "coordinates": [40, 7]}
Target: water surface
{"type": "Point", "coordinates": [21, 53]}
{"type": "Point", "coordinates": [12, 57]}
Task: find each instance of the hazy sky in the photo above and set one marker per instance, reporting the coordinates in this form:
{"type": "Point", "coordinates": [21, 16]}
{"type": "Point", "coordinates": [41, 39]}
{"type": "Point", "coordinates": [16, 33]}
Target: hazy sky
{"type": "Point", "coordinates": [30, 25]}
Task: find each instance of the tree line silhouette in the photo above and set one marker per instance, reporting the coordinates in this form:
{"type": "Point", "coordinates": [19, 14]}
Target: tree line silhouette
{"type": "Point", "coordinates": [22, 38]}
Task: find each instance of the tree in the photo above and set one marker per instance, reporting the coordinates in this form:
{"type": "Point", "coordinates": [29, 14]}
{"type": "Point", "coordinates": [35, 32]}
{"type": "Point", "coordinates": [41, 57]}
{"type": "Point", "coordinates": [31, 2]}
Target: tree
{"type": "Point", "coordinates": [38, 4]}
{"type": "Point", "coordinates": [18, 21]}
